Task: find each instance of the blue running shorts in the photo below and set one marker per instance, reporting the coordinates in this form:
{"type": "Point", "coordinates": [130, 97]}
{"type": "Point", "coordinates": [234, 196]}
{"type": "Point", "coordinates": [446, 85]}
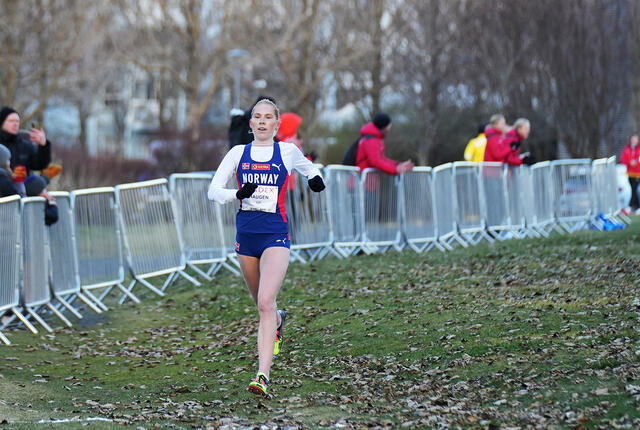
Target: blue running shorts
{"type": "Point", "coordinates": [254, 244]}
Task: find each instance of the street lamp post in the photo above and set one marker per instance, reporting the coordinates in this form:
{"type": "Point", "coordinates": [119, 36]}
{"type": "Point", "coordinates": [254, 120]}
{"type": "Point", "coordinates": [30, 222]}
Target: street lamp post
{"type": "Point", "coordinates": [235, 55]}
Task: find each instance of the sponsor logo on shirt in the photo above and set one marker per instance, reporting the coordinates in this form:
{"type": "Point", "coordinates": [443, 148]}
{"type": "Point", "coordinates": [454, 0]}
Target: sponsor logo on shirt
{"type": "Point", "coordinates": [237, 246]}
{"type": "Point", "coordinates": [245, 166]}
{"type": "Point", "coordinates": [260, 167]}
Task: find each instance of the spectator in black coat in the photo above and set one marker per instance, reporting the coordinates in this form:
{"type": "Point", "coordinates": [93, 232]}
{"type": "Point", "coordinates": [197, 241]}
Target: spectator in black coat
{"type": "Point", "coordinates": [34, 154]}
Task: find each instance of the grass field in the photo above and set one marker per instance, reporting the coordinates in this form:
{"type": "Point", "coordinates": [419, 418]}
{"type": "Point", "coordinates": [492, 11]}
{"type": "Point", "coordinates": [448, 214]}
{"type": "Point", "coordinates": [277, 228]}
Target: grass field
{"type": "Point", "coordinates": [520, 334]}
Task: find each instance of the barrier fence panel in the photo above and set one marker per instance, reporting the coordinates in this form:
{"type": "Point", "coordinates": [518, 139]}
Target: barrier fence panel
{"type": "Point", "coordinates": [471, 212]}
{"type": "Point", "coordinates": [308, 220]}
{"type": "Point", "coordinates": [98, 242]}
{"type": "Point", "coordinates": [346, 209]}
{"type": "Point", "coordinates": [35, 291]}
{"type": "Point", "coordinates": [63, 257]}
{"type": "Point", "coordinates": [445, 206]}
{"type": "Point", "coordinates": [542, 217]}
{"type": "Point", "coordinates": [494, 189]}
{"type": "Point", "coordinates": [199, 223]}
{"type": "Point", "coordinates": [601, 199]}
{"type": "Point", "coordinates": [153, 244]}
{"type": "Point", "coordinates": [419, 218]}
{"type": "Point", "coordinates": [10, 262]}
{"type": "Point", "coordinates": [382, 218]}
{"type": "Point", "coordinates": [519, 192]}
{"type": "Point", "coordinates": [572, 194]}
{"type": "Point", "coordinates": [613, 191]}
{"type": "Point", "coordinates": [527, 200]}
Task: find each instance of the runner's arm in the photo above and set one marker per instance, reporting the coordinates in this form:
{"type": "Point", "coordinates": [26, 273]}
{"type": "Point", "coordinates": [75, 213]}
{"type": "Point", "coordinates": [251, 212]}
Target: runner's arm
{"type": "Point", "coordinates": [302, 164]}
{"type": "Point", "coordinates": [218, 190]}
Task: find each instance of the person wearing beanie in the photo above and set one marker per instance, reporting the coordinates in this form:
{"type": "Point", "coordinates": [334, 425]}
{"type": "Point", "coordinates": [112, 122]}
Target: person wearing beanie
{"type": "Point", "coordinates": [288, 132]}
{"type": "Point", "coordinates": [31, 155]}
{"type": "Point", "coordinates": [371, 147]}
{"type": "Point", "coordinates": [7, 187]}
{"type": "Point", "coordinates": [36, 186]}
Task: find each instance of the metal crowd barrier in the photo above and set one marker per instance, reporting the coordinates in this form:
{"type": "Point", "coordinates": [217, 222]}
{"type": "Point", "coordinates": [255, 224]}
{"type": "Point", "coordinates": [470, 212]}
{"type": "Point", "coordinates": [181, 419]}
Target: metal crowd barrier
{"type": "Point", "coordinates": [419, 217]}
{"type": "Point", "coordinates": [541, 219]}
{"type": "Point", "coordinates": [572, 193]}
{"type": "Point", "coordinates": [494, 189]}
{"type": "Point", "coordinates": [98, 242]}
{"type": "Point", "coordinates": [199, 223]}
{"type": "Point", "coordinates": [63, 257]}
{"type": "Point", "coordinates": [382, 217]}
{"type": "Point", "coordinates": [445, 206]}
{"type": "Point", "coordinates": [308, 221]}
{"type": "Point", "coordinates": [602, 202]}
{"type": "Point", "coordinates": [35, 290]}
{"type": "Point", "coordinates": [10, 262]}
{"type": "Point", "coordinates": [519, 192]}
{"type": "Point", "coordinates": [346, 211]}
{"type": "Point", "coordinates": [370, 212]}
{"type": "Point", "coordinates": [613, 190]}
{"type": "Point", "coordinates": [153, 245]}
{"type": "Point", "coordinates": [469, 202]}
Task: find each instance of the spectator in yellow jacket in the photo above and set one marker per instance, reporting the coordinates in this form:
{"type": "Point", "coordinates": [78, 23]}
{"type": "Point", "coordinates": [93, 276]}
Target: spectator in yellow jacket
{"type": "Point", "coordinates": [475, 148]}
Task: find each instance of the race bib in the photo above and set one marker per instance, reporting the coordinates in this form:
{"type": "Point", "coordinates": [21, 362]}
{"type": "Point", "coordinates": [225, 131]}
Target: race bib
{"type": "Point", "coordinates": [264, 199]}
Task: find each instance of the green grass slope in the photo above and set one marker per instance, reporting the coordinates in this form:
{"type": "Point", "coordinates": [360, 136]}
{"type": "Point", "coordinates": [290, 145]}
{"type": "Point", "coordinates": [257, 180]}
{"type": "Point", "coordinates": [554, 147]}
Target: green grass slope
{"type": "Point", "coordinates": [531, 334]}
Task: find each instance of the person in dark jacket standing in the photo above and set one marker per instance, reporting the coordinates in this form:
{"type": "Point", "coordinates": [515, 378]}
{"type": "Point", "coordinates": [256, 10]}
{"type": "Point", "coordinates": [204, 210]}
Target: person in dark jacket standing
{"type": "Point", "coordinates": [371, 148]}
{"type": "Point", "coordinates": [31, 155]}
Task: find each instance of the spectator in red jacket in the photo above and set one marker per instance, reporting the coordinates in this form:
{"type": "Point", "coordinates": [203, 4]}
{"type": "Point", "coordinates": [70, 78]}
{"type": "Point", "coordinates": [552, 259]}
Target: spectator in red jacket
{"type": "Point", "coordinates": [371, 148]}
{"type": "Point", "coordinates": [631, 158]}
{"type": "Point", "coordinates": [506, 148]}
{"type": "Point", "coordinates": [514, 138]}
{"type": "Point", "coordinates": [494, 132]}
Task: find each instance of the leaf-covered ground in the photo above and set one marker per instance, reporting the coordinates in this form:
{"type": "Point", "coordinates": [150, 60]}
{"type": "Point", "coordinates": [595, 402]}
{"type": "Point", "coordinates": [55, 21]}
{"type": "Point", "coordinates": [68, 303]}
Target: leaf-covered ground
{"type": "Point", "coordinates": [521, 334]}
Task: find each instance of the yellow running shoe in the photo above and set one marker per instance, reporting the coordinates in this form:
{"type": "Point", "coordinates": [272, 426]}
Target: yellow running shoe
{"type": "Point", "coordinates": [259, 385]}
{"type": "Point", "coordinates": [278, 345]}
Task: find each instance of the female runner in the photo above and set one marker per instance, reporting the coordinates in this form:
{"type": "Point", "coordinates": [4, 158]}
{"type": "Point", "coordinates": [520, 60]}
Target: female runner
{"type": "Point", "coordinates": [262, 170]}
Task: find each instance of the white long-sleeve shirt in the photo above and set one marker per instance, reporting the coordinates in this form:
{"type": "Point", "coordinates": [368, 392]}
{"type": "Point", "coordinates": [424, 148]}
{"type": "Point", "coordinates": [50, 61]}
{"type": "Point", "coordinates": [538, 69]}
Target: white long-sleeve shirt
{"type": "Point", "coordinates": [292, 157]}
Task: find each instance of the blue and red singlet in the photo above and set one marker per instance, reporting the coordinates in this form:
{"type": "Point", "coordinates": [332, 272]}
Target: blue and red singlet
{"type": "Point", "coordinates": [264, 211]}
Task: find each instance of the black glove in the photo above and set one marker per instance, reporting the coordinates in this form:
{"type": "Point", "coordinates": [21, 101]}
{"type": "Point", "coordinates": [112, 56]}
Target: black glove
{"type": "Point", "coordinates": [316, 184]}
{"type": "Point", "coordinates": [515, 145]}
{"type": "Point", "coordinates": [529, 160]}
{"type": "Point", "coordinates": [50, 213]}
{"type": "Point", "coordinates": [245, 192]}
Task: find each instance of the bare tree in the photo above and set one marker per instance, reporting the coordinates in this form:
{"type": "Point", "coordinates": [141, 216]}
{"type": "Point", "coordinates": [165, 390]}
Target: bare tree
{"type": "Point", "coordinates": [184, 43]}
{"type": "Point", "coordinates": [586, 58]}
{"type": "Point", "coordinates": [302, 48]}
{"type": "Point", "coordinates": [368, 27]}
{"type": "Point", "coordinates": [42, 40]}
{"type": "Point", "coordinates": [427, 62]}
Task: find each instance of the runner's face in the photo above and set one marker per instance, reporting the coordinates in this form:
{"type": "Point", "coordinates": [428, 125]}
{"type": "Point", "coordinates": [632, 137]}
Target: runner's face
{"type": "Point", "coordinates": [263, 122]}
